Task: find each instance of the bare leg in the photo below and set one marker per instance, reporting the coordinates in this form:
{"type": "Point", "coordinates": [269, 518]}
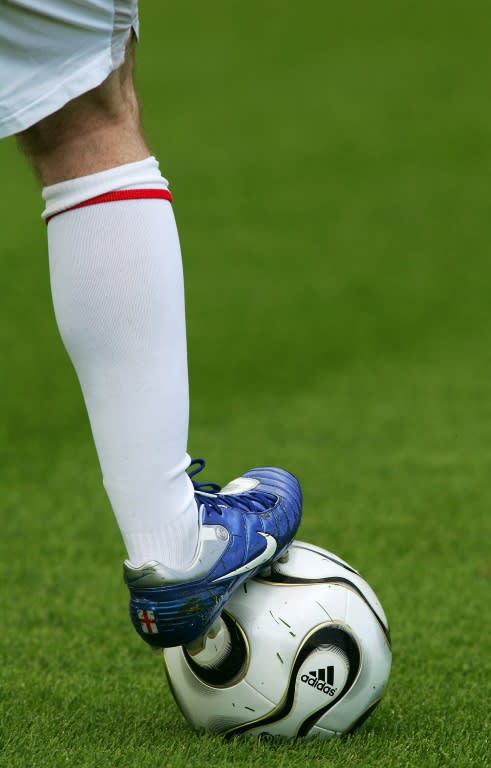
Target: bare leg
{"type": "Point", "coordinates": [99, 130]}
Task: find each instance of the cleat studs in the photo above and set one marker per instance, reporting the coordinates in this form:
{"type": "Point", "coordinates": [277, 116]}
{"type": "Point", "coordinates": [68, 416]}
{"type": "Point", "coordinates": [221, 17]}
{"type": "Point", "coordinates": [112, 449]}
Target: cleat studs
{"type": "Point", "coordinates": [199, 644]}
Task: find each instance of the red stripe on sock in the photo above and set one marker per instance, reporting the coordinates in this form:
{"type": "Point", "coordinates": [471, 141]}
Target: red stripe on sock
{"type": "Point", "coordinates": [123, 194]}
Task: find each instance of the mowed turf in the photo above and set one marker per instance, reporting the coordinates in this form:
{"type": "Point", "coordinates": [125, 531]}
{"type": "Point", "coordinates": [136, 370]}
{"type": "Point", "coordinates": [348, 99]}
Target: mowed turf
{"type": "Point", "coordinates": [330, 164]}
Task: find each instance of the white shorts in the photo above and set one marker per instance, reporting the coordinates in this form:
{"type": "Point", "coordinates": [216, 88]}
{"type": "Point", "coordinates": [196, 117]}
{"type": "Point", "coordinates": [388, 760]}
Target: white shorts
{"type": "Point", "coordinates": [54, 50]}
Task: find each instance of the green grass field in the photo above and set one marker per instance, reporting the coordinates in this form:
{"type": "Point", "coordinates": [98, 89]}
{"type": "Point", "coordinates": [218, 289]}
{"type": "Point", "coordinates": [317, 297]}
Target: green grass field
{"type": "Point", "coordinates": [331, 169]}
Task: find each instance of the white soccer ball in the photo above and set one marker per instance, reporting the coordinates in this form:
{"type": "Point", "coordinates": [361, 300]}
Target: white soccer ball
{"type": "Point", "coordinates": [310, 654]}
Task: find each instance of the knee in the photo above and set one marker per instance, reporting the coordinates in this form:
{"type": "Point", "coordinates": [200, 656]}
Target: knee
{"type": "Point", "coordinates": [99, 128]}
{"type": "Point", "coordinates": [111, 104]}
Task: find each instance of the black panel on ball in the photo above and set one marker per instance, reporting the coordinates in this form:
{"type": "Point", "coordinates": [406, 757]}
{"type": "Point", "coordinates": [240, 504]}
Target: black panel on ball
{"type": "Point", "coordinates": [347, 643]}
{"type": "Point", "coordinates": [330, 634]}
{"type": "Point", "coordinates": [231, 667]}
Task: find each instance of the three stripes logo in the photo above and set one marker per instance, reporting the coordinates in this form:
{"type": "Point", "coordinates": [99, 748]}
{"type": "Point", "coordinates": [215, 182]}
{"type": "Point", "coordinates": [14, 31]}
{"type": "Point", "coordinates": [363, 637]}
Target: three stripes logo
{"type": "Point", "coordinates": [321, 679]}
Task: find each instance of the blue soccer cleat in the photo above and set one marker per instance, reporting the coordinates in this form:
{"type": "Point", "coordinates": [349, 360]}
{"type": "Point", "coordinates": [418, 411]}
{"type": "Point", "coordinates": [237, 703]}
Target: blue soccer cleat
{"type": "Point", "coordinates": [244, 528]}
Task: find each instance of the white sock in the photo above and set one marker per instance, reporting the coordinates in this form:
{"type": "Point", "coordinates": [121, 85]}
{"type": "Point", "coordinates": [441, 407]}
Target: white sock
{"type": "Point", "coordinates": [116, 279]}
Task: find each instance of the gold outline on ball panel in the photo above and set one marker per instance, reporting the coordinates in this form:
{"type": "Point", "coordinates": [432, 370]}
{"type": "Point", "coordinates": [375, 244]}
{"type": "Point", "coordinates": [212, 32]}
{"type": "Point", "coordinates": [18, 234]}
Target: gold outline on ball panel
{"type": "Point", "coordinates": [251, 724]}
{"type": "Point", "coordinates": [244, 669]}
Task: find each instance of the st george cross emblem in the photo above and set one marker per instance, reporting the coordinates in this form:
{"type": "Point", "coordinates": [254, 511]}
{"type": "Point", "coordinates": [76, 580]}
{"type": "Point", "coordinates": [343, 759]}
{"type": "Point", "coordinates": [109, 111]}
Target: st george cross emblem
{"type": "Point", "coordinates": [147, 621]}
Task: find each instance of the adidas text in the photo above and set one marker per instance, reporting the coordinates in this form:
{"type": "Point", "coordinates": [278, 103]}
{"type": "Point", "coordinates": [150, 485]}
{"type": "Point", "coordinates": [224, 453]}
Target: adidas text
{"type": "Point", "coordinates": [319, 685]}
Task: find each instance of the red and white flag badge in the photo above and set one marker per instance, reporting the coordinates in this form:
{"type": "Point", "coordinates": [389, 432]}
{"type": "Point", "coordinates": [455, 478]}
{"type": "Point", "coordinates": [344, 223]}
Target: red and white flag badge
{"type": "Point", "coordinates": [147, 621]}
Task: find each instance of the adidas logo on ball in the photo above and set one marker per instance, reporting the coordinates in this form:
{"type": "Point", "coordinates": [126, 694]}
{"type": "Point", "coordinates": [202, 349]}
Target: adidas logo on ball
{"type": "Point", "coordinates": [321, 680]}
